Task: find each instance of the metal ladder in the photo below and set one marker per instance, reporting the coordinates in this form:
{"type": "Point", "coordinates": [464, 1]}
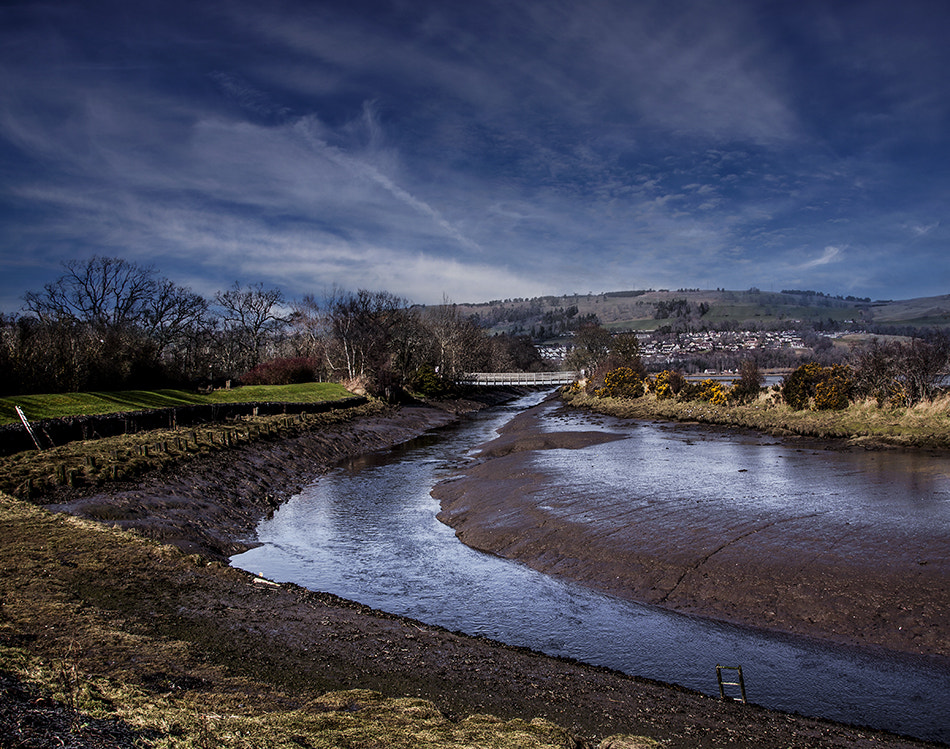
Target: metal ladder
{"type": "Point", "coordinates": [723, 684]}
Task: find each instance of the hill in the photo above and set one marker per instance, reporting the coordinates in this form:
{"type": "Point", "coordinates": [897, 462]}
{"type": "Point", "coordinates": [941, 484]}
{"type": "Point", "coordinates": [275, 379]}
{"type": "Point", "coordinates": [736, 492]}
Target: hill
{"type": "Point", "coordinates": [549, 317]}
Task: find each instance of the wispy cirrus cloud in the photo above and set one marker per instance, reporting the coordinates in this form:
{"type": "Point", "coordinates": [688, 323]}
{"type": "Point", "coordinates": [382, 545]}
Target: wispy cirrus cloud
{"type": "Point", "coordinates": [828, 256]}
{"type": "Point", "coordinates": [423, 144]}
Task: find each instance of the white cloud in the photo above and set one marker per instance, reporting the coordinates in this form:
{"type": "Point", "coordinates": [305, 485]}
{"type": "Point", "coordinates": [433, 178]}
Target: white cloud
{"type": "Point", "coordinates": [920, 230]}
{"type": "Point", "coordinates": [830, 255]}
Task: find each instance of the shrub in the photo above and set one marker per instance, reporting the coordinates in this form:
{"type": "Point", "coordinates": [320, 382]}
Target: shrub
{"type": "Point", "coordinates": [282, 372]}
{"type": "Point", "coordinates": [667, 384]}
{"type": "Point", "coordinates": [749, 384]}
{"type": "Point", "coordinates": [426, 382]}
{"type": "Point", "coordinates": [622, 382]}
{"type": "Point", "coordinates": [817, 387]}
{"type": "Point", "coordinates": [714, 392]}
{"type": "Point", "coordinates": [832, 394]}
{"type": "Point", "coordinates": [902, 374]}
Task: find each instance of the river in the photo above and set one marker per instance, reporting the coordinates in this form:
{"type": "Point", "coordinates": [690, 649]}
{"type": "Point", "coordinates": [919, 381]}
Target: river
{"type": "Point", "coordinates": [368, 531]}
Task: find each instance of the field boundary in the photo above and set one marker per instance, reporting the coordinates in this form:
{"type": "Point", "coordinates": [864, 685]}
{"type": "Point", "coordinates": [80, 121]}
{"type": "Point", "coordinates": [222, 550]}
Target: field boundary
{"type": "Point", "coordinates": [14, 438]}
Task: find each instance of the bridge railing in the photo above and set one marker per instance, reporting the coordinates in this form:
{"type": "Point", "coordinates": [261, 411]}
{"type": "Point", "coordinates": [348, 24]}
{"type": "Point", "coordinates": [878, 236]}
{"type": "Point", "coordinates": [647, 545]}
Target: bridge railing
{"type": "Point", "coordinates": [540, 379]}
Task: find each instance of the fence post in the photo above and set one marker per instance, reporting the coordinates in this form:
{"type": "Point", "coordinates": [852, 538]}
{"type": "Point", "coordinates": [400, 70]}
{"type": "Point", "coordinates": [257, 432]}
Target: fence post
{"type": "Point", "coordinates": [29, 429]}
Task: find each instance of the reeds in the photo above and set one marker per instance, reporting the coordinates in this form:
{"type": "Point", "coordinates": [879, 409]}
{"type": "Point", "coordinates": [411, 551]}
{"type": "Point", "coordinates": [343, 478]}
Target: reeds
{"type": "Point", "coordinates": [925, 425]}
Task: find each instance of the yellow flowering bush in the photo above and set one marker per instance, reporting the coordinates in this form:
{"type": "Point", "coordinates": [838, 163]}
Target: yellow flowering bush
{"type": "Point", "coordinates": [834, 391]}
{"type": "Point", "coordinates": [666, 384]}
{"type": "Point", "coordinates": [714, 392]}
{"type": "Point", "coordinates": [621, 382]}
{"type": "Point", "coordinates": [819, 388]}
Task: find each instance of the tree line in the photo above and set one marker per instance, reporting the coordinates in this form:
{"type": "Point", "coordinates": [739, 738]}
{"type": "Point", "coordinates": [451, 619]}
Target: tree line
{"type": "Point", "coordinates": [895, 374]}
{"type": "Point", "coordinates": [110, 324]}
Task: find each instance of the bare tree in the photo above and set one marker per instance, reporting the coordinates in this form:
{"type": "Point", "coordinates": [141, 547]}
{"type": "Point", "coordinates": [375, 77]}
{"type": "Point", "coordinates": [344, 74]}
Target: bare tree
{"type": "Point", "coordinates": [310, 325]}
{"type": "Point", "coordinates": [901, 373]}
{"type": "Point", "coordinates": [625, 352]}
{"type": "Point", "coordinates": [250, 315]}
{"type": "Point", "coordinates": [590, 350]}
{"type": "Point", "coordinates": [363, 326]}
{"type": "Point", "coordinates": [103, 291]}
{"type": "Point", "coordinates": [174, 313]}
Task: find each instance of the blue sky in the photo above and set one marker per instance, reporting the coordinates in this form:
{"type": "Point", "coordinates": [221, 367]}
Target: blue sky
{"type": "Point", "coordinates": [481, 150]}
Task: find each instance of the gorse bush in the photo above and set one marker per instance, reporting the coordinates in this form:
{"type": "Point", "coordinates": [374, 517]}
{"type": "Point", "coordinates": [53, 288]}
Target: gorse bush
{"type": "Point", "coordinates": [714, 392]}
{"type": "Point", "coordinates": [667, 384]}
{"type": "Point", "coordinates": [833, 393]}
{"type": "Point", "coordinates": [622, 382]}
{"type": "Point", "coordinates": [817, 387]}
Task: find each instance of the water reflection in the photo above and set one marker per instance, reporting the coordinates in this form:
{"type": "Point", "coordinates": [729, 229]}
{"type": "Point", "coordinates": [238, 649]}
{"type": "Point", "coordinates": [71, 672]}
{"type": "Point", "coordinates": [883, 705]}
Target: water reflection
{"type": "Point", "coordinates": [368, 531]}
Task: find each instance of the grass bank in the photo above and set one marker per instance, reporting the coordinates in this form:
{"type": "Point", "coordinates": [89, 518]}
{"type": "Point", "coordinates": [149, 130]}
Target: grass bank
{"type": "Point", "coordinates": [91, 463]}
{"type": "Point", "coordinates": [60, 405]}
{"type": "Point", "coordinates": [926, 425]}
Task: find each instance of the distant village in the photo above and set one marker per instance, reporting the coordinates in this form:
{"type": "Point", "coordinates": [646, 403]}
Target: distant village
{"type": "Point", "coordinates": [674, 347]}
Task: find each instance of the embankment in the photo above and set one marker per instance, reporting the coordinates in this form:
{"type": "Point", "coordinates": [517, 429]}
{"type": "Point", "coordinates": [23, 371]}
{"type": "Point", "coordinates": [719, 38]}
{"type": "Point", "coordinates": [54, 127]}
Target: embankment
{"type": "Point", "coordinates": [158, 645]}
{"type": "Point", "coordinates": [211, 503]}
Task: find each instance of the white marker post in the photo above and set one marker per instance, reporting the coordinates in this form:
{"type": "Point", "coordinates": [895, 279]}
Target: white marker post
{"type": "Point", "coordinates": [29, 429]}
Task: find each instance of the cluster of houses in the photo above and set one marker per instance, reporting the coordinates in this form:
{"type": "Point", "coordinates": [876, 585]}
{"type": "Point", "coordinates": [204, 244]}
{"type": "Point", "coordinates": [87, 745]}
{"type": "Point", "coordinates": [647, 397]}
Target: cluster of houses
{"type": "Point", "coordinates": [677, 345]}
{"type": "Point", "coordinates": [684, 344]}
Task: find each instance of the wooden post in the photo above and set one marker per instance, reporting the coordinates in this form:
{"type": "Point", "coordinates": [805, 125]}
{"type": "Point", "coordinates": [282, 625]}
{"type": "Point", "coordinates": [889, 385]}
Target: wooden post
{"type": "Point", "coordinates": [29, 429]}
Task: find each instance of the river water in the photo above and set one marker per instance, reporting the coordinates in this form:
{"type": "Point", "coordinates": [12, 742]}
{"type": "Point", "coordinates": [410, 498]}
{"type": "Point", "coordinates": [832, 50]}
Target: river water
{"type": "Point", "coordinates": [367, 531]}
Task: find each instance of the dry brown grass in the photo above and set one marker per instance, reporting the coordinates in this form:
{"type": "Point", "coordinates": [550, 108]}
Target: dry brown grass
{"type": "Point", "coordinates": [926, 425]}
{"type": "Point", "coordinates": [84, 667]}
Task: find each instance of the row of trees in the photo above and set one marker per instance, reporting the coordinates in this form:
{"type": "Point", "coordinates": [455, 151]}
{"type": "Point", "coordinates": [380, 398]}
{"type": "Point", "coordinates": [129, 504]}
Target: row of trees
{"type": "Point", "coordinates": [893, 373]}
{"type": "Point", "coordinates": [109, 324]}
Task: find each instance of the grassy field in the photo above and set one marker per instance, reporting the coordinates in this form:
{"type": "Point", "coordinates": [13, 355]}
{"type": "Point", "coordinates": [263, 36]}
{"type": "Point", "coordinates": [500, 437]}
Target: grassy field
{"type": "Point", "coordinates": [58, 405]}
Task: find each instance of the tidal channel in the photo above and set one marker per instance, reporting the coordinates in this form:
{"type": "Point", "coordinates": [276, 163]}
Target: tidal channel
{"type": "Point", "coordinates": [367, 531]}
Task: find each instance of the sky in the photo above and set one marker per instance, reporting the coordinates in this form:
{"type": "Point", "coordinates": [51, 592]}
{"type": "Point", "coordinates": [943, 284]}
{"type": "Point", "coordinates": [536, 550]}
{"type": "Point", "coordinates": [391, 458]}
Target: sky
{"type": "Point", "coordinates": [478, 151]}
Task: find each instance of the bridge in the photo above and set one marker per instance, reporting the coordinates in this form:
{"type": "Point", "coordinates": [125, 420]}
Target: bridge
{"type": "Point", "coordinates": [529, 379]}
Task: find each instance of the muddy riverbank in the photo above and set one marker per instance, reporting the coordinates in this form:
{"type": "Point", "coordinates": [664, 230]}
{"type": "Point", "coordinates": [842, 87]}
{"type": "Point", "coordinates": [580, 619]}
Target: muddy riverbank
{"type": "Point", "coordinates": [801, 575]}
{"type": "Point", "coordinates": [166, 625]}
{"type": "Point", "coordinates": [211, 504]}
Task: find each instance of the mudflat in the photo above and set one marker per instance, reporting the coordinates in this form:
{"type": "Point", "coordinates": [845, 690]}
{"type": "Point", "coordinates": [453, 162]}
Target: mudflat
{"type": "Point", "coordinates": [854, 585]}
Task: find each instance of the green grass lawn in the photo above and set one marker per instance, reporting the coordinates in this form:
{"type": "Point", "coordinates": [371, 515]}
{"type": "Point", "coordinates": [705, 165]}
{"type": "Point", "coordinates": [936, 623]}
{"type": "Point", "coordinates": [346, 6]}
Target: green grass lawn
{"type": "Point", "coordinates": [57, 405]}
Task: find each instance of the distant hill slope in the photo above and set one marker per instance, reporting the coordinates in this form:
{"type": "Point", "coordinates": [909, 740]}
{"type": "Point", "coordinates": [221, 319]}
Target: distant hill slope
{"type": "Point", "coordinates": [552, 316]}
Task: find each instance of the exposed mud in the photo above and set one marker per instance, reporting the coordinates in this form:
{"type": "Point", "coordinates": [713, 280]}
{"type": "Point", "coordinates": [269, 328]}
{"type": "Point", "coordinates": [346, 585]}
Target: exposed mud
{"type": "Point", "coordinates": [174, 622]}
{"type": "Point", "coordinates": [851, 585]}
{"type": "Point", "coordinates": [211, 505]}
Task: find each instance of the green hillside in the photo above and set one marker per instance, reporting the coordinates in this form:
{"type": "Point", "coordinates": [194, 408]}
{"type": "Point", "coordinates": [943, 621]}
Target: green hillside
{"type": "Point", "coordinates": [651, 310]}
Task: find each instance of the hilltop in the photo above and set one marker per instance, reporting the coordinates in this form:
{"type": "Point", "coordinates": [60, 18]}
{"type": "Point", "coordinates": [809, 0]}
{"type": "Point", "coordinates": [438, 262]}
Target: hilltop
{"type": "Point", "coordinates": [549, 317]}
